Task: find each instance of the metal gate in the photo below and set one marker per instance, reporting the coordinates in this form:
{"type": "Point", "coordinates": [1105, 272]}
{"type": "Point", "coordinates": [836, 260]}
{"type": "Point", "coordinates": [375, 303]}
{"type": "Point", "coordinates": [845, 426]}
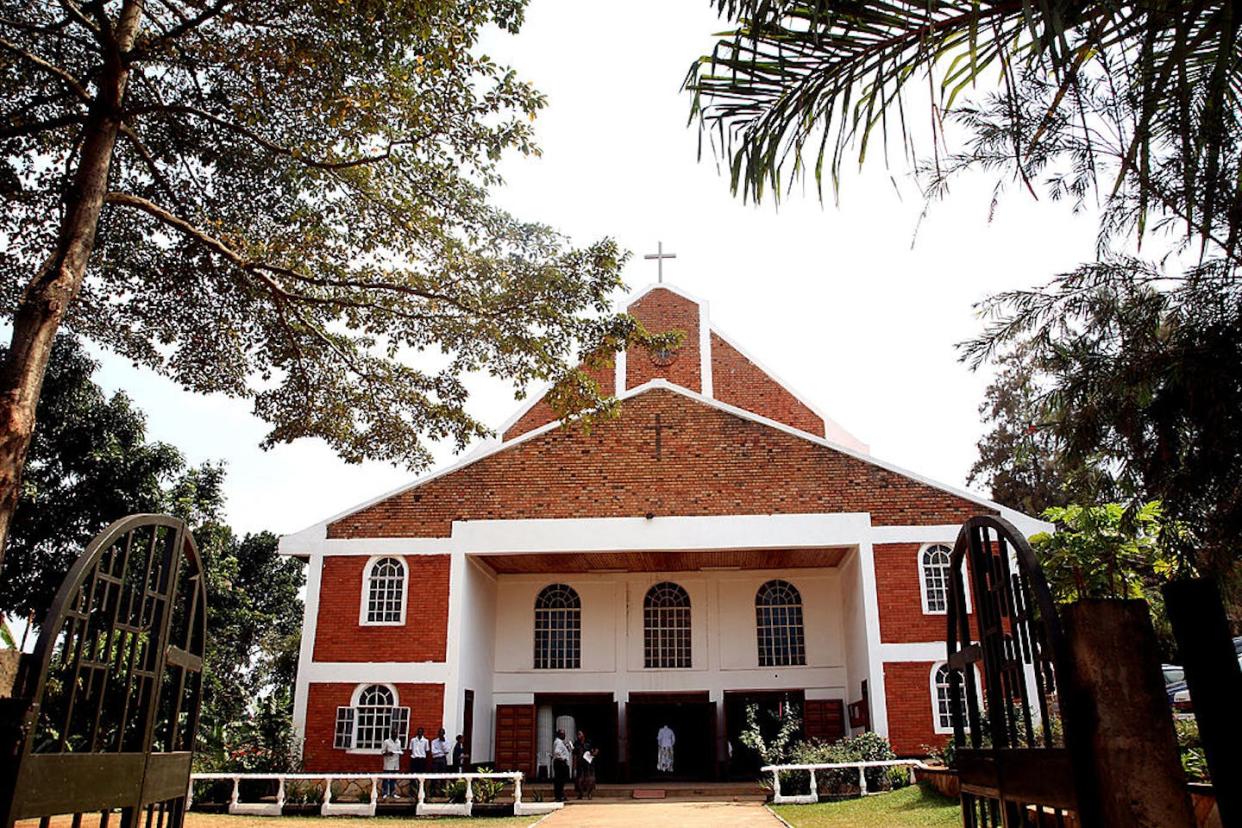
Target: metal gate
{"type": "Point", "coordinates": [1012, 761]}
{"type": "Point", "coordinates": [105, 717]}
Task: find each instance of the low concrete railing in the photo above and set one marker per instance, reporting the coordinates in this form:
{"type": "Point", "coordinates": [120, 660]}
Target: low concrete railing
{"type": "Point", "coordinates": [809, 798]}
{"type": "Point", "coordinates": [330, 808]}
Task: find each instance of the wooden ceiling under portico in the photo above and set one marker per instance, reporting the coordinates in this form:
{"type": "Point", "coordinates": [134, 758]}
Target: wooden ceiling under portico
{"type": "Point", "coordinates": [656, 561]}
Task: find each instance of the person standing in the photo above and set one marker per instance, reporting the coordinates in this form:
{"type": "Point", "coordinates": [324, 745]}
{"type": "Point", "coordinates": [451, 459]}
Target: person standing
{"type": "Point", "coordinates": [419, 746]}
{"type": "Point", "coordinates": [582, 749]}
{"type": "Point", "coordinates": [665, 740]}
{"type": "Point", "coordinates": [562, 753]}
{"type": "Point", "coordinates": [439, 753]}
{"type": "Point", "coordinates": [459, 754]}
{"type": "Point", "coordinates": [391, 749]}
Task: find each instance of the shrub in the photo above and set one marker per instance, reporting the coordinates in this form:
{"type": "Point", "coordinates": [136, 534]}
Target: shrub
{"type": "Point", "coordinates": [866, 747]}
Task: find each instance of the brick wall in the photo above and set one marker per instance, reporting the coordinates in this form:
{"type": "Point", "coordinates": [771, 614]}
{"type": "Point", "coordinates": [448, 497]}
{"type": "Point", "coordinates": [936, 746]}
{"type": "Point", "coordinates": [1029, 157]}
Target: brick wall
{"type": "Point", "coordinates": [426, 703]}
{"type": "Point", "coordinates": [339, 636]}
{"type": "Point", "coordinates": [712, 463]}
{"type": "Point", "coordinates": [662, 311]}
{"type": "Point", "coordinates": [907, 694]}
{"type": "Point", "coordinates": [738, 381]}
{"type": "Point", "coordinates": [897, 582]}
{"type": "Point", "coordinates": [541, 413]}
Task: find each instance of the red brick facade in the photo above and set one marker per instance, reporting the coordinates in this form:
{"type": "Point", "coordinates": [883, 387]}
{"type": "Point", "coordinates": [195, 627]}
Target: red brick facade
{"type": "Point", "coordinates": [662, 311]}
{"type": "Point", "coordinates": [340, 637]}
{"type": "Point", "coordinates": [736, 466]}
{"type": "Point", "coordinates": [739, 382]}
{"type": "Point", "coordinates": [898, 571]}
{"type": "Point", "coordinates": [426, 703]}
{"type": "Point", "coordinates": [907, 689]}
{"type": "Point", "coordinates": [735, 379]}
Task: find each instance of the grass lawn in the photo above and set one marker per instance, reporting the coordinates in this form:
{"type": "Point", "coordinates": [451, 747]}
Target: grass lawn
{"type": "Point", "coordinates": [911, 807]}
{"type": "Point", "coordinates": [198, 820]}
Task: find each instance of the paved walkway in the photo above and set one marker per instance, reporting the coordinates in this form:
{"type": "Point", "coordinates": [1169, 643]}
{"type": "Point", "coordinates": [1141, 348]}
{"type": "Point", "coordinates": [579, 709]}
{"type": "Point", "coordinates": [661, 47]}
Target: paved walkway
{"type": "Point", "coordinates": [679, 814]}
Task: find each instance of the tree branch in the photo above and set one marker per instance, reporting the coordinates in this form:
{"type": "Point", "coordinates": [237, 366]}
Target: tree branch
{"type": "Point", "coordinates": [267, 143]}
{"type": "Point", "coordinates": [73, 83]}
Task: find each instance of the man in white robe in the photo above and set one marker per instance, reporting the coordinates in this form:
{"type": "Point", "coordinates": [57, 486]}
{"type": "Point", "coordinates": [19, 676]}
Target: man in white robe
{"type": "Point", "coordinates": [665, 740]}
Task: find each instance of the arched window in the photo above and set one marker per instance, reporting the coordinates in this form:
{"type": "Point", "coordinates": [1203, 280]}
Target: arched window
{"type": "Point", "coordinates": [666, 626]}
{"type": "Point", "coordinates": [934, 582]}
{"type": "Point", "coordinates": [369, 718]}
{"type": "Point", "coordinates": [558, 628]}
{"type": "Point", "coordinates": [383, 592]}
{"type": "Point", "coordinates": [942, 716]}
{"type": "Point", "coordinates": [778, 617]}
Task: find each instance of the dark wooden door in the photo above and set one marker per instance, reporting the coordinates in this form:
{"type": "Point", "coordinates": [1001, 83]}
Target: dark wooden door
{"type": "Point", "coordinates": [467, 723]}
{"type": "Point", "coordinates": [823, 719]}
{"type": "Point", "coordinates": [515, 738]}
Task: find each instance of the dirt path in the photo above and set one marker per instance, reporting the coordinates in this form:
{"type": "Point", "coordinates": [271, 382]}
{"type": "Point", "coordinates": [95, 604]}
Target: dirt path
{"type": "Point", "coordinates": [680, 814]}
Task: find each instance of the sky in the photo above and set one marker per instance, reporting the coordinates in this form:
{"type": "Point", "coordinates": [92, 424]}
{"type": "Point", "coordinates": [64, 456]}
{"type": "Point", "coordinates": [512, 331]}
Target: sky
{"type": "Point", "coordinates": [834, 297]}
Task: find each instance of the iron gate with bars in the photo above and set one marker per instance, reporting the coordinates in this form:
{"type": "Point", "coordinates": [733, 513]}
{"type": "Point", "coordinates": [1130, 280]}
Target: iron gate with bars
{"type": "Point", "coordinates": [1013, 764]}
{"type": "Point", "coordinates": [104, 718]}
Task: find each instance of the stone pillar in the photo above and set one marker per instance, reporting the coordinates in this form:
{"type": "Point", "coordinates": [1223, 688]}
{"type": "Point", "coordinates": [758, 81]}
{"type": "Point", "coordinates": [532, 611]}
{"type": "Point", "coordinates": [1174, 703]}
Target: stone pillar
{"type": "Point", "coordinates": [1118, 727]}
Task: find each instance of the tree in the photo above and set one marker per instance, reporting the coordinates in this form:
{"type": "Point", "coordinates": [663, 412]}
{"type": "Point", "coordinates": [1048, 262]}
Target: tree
{"type": "Point", "coordinates": [1020, 459]}
{"type": "Point", "coordinates": [284, 201]}
{"type": "Point", "coordinates": [1142, 383]}
{"type": "Point", "coordinates": [254, 622]}
{"type": "Point", "coordinates": [89, 464]}
{"type": "Point", "coordinates": [1135, 103]}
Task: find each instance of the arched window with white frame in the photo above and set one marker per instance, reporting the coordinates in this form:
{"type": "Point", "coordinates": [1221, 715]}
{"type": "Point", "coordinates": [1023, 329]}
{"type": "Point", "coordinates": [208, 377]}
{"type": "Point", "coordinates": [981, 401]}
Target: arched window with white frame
{"type": "Point", "coordinates": [558, 628]}
{"type": "Point", "coordinates": [942, 706]}
{"type": "Point", "coordinates": [383, 592]}
{"type": "Point", "coordinates": [778, 624]}
{"type": "Point", "coordinates": [666, 627]}
{"type": "Point", "coordinates": [369, 719]}
{"type": "Point", "coordinates": [934, 562]}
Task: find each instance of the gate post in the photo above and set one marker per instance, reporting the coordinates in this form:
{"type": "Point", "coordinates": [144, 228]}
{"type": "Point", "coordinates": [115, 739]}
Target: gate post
{"type": "Point", "coordinates": [1117, 724]}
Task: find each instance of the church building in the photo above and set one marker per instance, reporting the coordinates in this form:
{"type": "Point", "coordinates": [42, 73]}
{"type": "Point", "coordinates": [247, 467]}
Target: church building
{"type": "Point", "coordinates": [720, 546]}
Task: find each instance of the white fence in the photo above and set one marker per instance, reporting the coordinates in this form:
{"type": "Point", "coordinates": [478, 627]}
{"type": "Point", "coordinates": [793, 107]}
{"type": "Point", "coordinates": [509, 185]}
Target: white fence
{"type": "Point", "coordinates": [809, 798]}
{"type": "Point", "coordinates": [330, 808]}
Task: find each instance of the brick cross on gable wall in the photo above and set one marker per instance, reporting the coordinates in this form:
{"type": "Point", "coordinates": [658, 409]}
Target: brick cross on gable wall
{"type": "Point", "coordinates": [659, 428]}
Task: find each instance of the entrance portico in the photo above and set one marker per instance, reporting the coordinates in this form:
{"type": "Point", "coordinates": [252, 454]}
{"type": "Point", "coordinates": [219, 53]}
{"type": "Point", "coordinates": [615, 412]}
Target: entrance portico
{"type": "Point", "coordinates": [720, 565]}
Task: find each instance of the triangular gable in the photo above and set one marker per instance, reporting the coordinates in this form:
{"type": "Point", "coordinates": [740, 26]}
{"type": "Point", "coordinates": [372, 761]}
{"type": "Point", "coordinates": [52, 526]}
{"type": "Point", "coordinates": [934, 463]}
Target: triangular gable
{"type": "Point", "coordinates": [708, 363]}
{"type": "Point", "coordinates": [712, 459]}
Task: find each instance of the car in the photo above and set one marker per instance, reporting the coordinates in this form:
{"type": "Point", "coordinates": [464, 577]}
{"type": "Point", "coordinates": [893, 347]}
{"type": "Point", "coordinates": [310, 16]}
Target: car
{"type": "Point", "coordinates": [1178, 692]}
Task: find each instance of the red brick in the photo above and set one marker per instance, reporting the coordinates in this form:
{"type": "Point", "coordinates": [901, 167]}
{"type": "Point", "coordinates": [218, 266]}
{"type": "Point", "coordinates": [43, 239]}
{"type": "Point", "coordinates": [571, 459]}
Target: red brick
{"type": "Point", "coordinates": [907, 693]}
{"type": "Point", "coordinates": [897, 576]}
{"type": "Point", "coordinates": [426, 703]}
{"type": "Point", "coordinates": [339, 636]}
{"type": "Point", "coordinates": [713, 463]}
{"type": "Point", "coordinates": [739, 382]}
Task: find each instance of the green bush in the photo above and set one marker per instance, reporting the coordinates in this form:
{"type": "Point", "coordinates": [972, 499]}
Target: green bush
{"type": "Point", "coordinates": [866, 747]}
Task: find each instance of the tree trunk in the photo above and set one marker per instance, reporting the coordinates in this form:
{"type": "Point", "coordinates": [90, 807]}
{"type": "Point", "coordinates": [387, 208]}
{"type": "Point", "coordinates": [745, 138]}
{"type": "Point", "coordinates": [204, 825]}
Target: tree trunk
{"type": "Point", "coordinates": [48, 296]}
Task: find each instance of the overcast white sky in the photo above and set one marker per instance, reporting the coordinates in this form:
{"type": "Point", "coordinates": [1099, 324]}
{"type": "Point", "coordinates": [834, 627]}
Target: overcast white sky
{"type": "Point", "coordinates": [833, 298]}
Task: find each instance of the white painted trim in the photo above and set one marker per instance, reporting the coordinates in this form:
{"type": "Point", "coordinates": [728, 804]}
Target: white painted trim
{"type": "Point", "coordinates": [935, 697]}
{"type": "Point", "coordinates": [914, 651]}
{"type": "Point", "coordinates": [673, 533]}
{"type": "Point", "coordinates": [353, 697]}
{"type": "Point", "coordinates": [941, 533]}
{"type": "Point", "coordinates": [619, 377]}
{"type": "Point", "coordinates": [919, 563]}
{"type": "Point", "coordinates": [306, 648]}
{"type": "Point", "coordinates": [877, 695]}
{"type": "Point", "coordinates": [706, 384]}
{"type": "Point", "coordinates": [300, 543]}
{"type": "Point", "coordinates": [396, 672]}
{"type": "Point", "coordinates": [363, 605]}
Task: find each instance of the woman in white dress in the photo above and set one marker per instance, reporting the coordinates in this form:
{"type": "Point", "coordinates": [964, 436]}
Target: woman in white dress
{"type": "Point", "coordinates": [665, 740]}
